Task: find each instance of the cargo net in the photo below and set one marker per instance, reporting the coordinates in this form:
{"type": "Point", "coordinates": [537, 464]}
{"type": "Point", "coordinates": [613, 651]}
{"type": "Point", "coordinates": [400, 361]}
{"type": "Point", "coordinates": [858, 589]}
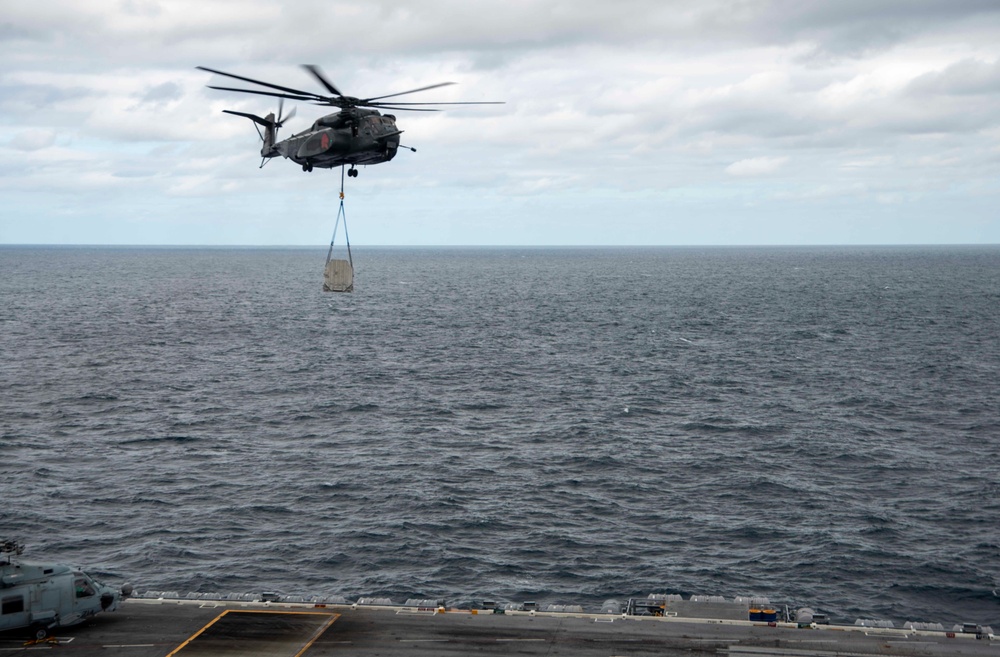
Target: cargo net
{"type": "Point", "coordinates": [338, 274]}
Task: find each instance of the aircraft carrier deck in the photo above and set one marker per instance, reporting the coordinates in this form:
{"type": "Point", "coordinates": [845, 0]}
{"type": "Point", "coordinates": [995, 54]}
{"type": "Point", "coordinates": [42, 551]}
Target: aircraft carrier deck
{"type": "Point", "coordinates": [160, 627]}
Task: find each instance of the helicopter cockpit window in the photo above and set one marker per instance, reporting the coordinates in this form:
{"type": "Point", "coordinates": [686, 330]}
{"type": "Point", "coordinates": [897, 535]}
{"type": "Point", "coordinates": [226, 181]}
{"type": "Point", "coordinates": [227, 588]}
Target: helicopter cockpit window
{"type": "Point", "coordinates": [83, 588]}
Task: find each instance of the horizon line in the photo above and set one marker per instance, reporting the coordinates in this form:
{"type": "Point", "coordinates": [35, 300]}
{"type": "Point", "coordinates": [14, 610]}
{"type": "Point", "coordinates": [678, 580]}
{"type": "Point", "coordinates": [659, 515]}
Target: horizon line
{"type": "Point", "coordinates": [494, 246]}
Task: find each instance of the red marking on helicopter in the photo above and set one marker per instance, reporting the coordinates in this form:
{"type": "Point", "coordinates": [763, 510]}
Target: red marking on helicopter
{"type": "Point", "coordinates": [324, 141]}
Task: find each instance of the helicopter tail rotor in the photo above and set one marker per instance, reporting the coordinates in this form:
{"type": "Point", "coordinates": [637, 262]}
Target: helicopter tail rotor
{"type": "Point", "coordinates": [270, 125]}
{"type": "Point", "coordinates": [270, 135]}
{"type": "Point", "coordinates": [281, 119]}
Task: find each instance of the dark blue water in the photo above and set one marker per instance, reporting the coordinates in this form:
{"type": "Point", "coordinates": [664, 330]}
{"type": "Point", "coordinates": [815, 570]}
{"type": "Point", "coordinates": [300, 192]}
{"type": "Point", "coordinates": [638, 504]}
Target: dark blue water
{"type": "Point", "coordinates": [817, 425]}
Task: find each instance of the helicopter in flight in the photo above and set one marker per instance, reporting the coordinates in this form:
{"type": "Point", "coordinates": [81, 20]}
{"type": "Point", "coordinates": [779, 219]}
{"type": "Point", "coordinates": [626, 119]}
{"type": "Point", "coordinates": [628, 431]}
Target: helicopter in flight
{"type": "Point", "coordinates": [357, 134]}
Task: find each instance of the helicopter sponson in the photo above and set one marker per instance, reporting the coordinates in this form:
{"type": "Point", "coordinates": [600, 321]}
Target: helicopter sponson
{"type": "Point", "coordinates": [43, 597]}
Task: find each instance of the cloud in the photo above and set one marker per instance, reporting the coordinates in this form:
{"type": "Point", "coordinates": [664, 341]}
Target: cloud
{"type": "Point", "coordinates": [164, 92]}
{"type": "Point", "coordinates": [964, 78]}
{"type": "Point", "coordinates": [756, 166]}
{"type": "Point", "coordinates": [666, 101]}
{"type": "Point", "coordinates": [32, 140]}
{"type": "Point", "coordinates": [254, 29]}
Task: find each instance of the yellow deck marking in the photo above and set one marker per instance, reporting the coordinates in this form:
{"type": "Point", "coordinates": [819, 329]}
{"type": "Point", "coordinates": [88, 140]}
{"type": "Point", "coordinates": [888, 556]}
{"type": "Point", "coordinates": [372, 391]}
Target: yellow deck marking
{"type": "Point", "coordinates": [309, 642]}
{"type": "Point", "coordinates": [196, 634]}
{"type": "Point", "coordinates": [318, 633]}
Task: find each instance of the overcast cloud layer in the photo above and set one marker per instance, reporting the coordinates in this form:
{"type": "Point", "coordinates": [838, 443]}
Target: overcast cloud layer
{"type": "Point", "coordinates": [627, 122]}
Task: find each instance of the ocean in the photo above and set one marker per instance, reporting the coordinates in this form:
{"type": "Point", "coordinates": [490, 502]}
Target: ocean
{"type": "Point", "coordinates": [818, 425]}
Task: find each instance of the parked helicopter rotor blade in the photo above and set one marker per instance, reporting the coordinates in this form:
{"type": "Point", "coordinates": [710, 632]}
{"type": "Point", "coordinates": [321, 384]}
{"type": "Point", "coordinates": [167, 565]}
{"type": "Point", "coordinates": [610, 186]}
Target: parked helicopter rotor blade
{"type": "Point", "coordinates": [318, 74]}
{"type": "Point", "coordinates": [261, 83]}
{"type": "Point", "coordinates": [411, 91]}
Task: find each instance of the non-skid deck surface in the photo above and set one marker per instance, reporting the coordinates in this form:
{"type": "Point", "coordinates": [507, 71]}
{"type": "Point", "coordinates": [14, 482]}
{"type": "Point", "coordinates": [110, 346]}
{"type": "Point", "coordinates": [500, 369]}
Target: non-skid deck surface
{"type": "Point", "coordinates": [256, 634]}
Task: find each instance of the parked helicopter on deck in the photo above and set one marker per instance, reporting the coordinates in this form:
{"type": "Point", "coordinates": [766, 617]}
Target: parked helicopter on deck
{"type": "Point", "coordinates": [358, 134]}
{"type": "Point", "coordinates": [43, 597]}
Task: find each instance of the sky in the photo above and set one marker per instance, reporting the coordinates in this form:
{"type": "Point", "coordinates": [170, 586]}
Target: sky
{"type": "Point", "coordinates": [626, 122]}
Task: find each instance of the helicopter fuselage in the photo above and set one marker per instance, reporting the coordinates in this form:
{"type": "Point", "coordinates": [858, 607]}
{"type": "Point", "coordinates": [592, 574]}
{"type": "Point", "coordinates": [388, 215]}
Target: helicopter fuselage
{"type": "Point", "coordinates": [47, 596]}
{"type": "Point", "coordinates": [353, 136]}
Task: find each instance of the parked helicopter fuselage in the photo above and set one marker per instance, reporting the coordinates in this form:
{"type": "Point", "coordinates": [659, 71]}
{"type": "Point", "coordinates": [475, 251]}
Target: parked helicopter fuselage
{"type": "Point", "coordinates": [46, 596]}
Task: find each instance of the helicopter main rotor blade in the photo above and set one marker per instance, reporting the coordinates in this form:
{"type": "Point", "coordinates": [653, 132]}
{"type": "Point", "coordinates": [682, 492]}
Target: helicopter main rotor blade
{"type": "Point", "coordinates": [411, 91]}
{"type": "Point", "coordinates": [473, 102]}
{"type": "Point", "coordinates": [265, 93]}
{"type": "Point", "coordinates": [251, 80]}
{"type": "Point", "coordinates": [337, 99]}
{"type": "Point", "coordinates": [318, 74]}
{"type": "Point", "coordinates": [405, 109]}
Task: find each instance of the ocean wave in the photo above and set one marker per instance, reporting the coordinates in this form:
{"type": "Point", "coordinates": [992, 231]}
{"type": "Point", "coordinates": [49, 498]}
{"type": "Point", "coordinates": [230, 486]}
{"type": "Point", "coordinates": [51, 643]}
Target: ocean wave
{"type": "Point", "coordinates": [706, 428]}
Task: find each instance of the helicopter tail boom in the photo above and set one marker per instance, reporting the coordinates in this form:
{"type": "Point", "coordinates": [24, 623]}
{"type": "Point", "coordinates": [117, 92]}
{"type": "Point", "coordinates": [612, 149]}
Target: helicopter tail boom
{"type": "Point", "coordinates": [270, 124]}
{"type": "Point", "coordinates": [267, 136]}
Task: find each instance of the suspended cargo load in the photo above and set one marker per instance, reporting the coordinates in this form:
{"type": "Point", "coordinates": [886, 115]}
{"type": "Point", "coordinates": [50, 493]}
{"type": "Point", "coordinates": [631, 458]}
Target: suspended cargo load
{"type": "Point", "coordinates": [338, 276]}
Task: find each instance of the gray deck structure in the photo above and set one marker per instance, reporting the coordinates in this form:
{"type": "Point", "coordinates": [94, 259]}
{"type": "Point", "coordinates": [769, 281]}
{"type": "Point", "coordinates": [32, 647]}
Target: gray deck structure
{"type": "Point", "coordinates": [202, 628]}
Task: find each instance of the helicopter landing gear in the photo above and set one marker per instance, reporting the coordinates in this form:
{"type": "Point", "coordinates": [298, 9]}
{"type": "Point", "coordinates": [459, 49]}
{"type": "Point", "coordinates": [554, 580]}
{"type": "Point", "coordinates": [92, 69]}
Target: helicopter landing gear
{"type": "Point", "coordinates": [307, 166]}
{"type": "Point", "coordinates": [352, 172]}
{"type": "Point", "coordinates": [40, 634]}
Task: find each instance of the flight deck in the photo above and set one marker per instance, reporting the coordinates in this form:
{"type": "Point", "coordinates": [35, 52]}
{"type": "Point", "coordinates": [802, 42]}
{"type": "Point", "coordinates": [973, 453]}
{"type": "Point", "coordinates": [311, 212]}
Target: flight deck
{"type": "Point", "coordinates": [207, 628]}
